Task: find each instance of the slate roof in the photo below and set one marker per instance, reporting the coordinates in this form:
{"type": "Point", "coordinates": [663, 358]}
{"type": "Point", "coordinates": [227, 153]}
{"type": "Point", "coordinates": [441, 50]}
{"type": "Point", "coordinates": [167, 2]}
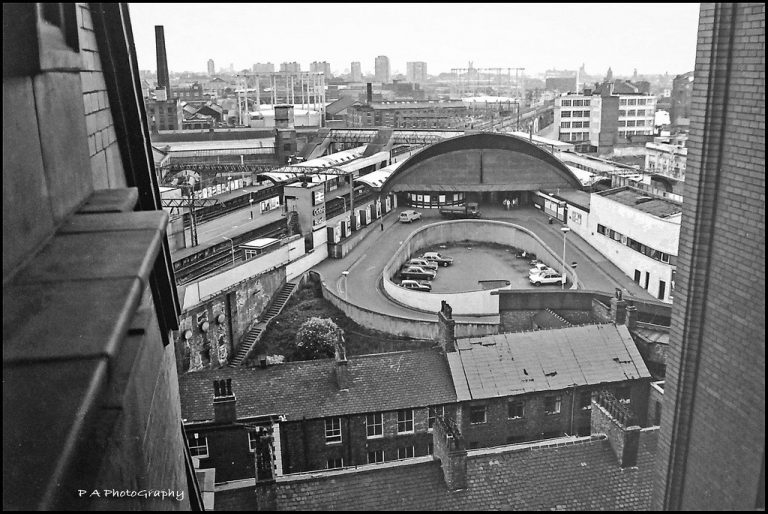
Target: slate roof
{"type": "Point", "coordinates": [378, 382]}
{"type": "Point", "coordinates": [544, 360]}
{"type": "Point", "coordinates": [582, 475]}
{"type": "Point", "coordinates": [339, 105]}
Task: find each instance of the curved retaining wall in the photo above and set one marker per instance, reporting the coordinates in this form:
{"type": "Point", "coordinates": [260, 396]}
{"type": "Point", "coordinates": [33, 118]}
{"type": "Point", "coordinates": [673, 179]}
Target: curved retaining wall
{"type": "Point", "coordinates": [401, 326]}
{"type": "Point", "coordinates": [480, 302]}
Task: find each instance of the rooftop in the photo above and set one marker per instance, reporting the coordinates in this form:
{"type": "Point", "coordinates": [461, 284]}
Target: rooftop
{"type": "Point", "coordinates": [544, 360]}
{"type": "Point", "coordinates": [378, 382]}
{"type": "Point", "coordinates": [643, 201]}
{"type": "Point", "coordinates": [560, 474]}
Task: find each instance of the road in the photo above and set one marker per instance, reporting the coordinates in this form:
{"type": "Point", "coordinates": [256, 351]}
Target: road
{"type": "Point", "coordinates": [365, 262]}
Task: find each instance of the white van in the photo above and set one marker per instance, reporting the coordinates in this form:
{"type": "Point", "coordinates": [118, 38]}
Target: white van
{"type": "Point", "coordinates": [409, 216]}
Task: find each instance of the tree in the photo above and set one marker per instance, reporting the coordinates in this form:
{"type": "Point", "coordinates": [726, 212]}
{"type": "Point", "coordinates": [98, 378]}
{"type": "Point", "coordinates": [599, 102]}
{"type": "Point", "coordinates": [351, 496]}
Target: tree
{"type": "Point", "coordinates": [317, 338]}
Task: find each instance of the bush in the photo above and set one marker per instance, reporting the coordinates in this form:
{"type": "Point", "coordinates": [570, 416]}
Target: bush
{"type": "Point", "coordinates": [317, 338]}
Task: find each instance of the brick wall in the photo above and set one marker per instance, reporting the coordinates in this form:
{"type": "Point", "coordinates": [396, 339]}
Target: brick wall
{"type": "Point", "coordinates": [535, 423]}
{"type": "Point", "coordinates": [106, 164]}
{"type": "Point", "coordinates": [241, 306]}
{"type": "Point", "coordinates": [304, 446]}
{"type": "Point", "coordinates": [712, 441]}
{"type": "Point", "coordinates": [228, 452]}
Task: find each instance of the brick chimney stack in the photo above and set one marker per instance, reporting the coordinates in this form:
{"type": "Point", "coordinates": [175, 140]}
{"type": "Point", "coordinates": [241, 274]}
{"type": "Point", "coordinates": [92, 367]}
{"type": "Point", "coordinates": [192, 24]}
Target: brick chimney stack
{"type": "Point", "coordinates": [446, 327]}
{"type": "Point", "coordinates": [631, 317]}
{"type": "Point", "coordinates": [451, 451]}
{"type": "Point", "coordinates": [163, 77]}
{"type": "Point", "coordinates": [342, 373]}
{"type": "Point", "coordinates": [224, 402]}
{"type": "Point", "coordinates": [618, 423]}
{"type": "Point", "coordinates": [618, 308]}
{"type": "Point", "coordinates": [264, 455]}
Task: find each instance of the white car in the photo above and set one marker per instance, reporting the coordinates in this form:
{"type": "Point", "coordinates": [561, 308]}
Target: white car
{"type": "Point", "coordinates": [545, 277]}
{"type": "Point", "coordinates": [435, 257]}
{"type": "Point", "coordinates": [409, 216]}
{"type": "Point", "coordinates": [423, 263]}
{"type": "Point", "coordinates": [539, 267]}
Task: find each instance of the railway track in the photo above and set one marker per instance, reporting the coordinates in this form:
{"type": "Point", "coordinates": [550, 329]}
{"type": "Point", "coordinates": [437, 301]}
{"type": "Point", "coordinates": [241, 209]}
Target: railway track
{"type": "Point", "coordinates": [215, 256]}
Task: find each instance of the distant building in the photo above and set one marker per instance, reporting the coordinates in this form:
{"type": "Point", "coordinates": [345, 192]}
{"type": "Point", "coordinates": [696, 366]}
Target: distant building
{"type": "Point", "coordinates": [164, 115]}
{"type": "Point", "coordinates": [419, 114]}
{"type": "Point", "coordinates": [682, 91]}
{"type": "Point", "coordinates": [211, 68]}
{"type": "Point", "coordinates": [261, 67]}
{"type": "Point", "coordinates": [356, 72]}
{"type": "Point", "coordinates": [610, 114]}
{"type": "Point", "coordinates": [321, 67]}
{"type": "Point", "coordinates": [561, 84]}
{"type": "Point", "coordinates": [291, 67]}
{"type": "Point", "coordinates": [416, 72]}
{"type": "Point", "coordinates": [666, 159]}
{"type": "Point", "coordinates": [382, 73]}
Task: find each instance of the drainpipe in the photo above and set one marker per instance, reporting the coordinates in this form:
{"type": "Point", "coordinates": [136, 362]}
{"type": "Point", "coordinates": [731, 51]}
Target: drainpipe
{"type": "Point", "coordinates": [573, 405]}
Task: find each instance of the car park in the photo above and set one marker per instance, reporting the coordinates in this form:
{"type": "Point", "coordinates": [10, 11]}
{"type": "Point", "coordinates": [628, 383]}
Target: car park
{"type": "Point", "coordinates": [545, 277]}
{"type": "Point", "coordinates": [435, 257]}
{"type": "Point", "coordinates": [409, 216]}
{"type": "Point", "coordinates": [422, 263]}
{"type": "Point", "coordinates": [417, 273]}
{"type": "Point", "coordinates": [416, 285]}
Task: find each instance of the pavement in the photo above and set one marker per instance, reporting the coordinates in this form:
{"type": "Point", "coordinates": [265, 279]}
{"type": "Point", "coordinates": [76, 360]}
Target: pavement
{"type": "Point", "coordinates": [364, 264]}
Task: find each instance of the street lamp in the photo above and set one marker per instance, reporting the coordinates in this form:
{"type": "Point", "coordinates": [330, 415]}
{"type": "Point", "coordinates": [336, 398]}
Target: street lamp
{"type": "Point", "coordinates": [565, 231]}
{"type": "Point", "coordinates": [233, 248]}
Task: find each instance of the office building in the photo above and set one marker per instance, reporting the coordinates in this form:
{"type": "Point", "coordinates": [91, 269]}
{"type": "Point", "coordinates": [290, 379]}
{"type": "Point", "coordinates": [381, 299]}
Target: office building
{"type": "Point", "coordinates": [356, 72]}
{"type": "Point", "coordinates": [416, 72]}
{"type": "Point", "coordinates": [291, 67]}
{"type": "Point", "coordinates": [321, 67]}
{"type": "Point", "coordinates": [263, 67]}
{"type": "Point", "coordinates": [382, 71]}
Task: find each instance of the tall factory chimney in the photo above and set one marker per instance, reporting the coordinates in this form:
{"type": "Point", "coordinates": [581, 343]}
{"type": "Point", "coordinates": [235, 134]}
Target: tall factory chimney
{"type": "Point", "coordinates": [369, 93]}
{"type": "Point", "coordinates": [163, 78]}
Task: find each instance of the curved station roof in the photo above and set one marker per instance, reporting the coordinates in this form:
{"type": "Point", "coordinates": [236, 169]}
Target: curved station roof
{"type": "Point", "coordinates": [481, 162]}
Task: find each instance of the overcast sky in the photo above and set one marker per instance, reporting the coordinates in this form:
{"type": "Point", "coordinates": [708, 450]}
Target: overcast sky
{"type": "Point", "coordinates": [654, 38]}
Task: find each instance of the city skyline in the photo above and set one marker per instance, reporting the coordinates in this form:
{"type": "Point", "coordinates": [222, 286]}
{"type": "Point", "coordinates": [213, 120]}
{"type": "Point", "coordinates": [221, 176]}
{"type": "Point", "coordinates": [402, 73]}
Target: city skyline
{"type": "Point", "coordinates": [630, 36]}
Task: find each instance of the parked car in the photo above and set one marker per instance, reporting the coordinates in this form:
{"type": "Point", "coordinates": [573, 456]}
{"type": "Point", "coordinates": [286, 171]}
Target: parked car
{"type": "Point", "coordinates": [539, 267]}
{"type": "Point", "coordinates": [417, 273]}
{"type": "Point", "coordinates": [409, 216]}
{"type": "Point", "coordinates": [442, 260]}
{"type": "Point", "coordinates": [422, 263]}
{"type": "Point", "coordinates": [545, 277]}
{"type": "Point", "coordinates": [417, 285]}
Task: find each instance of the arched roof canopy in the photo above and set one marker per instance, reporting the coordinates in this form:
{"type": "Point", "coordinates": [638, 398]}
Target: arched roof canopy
{"type": "Point", "coordinates": [482, 162]}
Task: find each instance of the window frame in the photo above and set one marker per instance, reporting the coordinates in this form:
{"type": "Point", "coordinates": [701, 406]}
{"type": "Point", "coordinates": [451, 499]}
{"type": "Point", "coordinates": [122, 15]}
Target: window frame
{"type": "Point", "coordinates": [405, 421]}
{"type": "Point", "coordinates": [333, 433]}
{"type": "Point", "coordinates": [558, 403]}
{"type": "Point", "coordinates": [378, 426]}
{"type": "Point", "coordinates": [334, 459]}
{"type": "Point", "coordinates": [375, 453]}
{"type": "Point", "coordinates": [517, 402]}
{"type": "Point", "coordinates": [404, 450]}
{"type": "Point", "coordinates": [472, 409]}
{"type": "Point", "coordinates": [192, 448]}
{"type": "Point", "coordinates": [432, 415]}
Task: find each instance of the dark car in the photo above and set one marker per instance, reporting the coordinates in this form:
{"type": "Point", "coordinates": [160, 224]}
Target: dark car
{"type": "Point", "coordinates": [417, 273]}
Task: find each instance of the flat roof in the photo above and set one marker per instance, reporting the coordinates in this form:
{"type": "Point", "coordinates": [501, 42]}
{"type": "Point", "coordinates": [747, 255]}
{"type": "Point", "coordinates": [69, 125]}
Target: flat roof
{"type": "Point", "coordinates": [643, 201]}
{"type": "Point", "coordinates": [574, 197]}
{"type": "Point", "coordinates": [262, 242]}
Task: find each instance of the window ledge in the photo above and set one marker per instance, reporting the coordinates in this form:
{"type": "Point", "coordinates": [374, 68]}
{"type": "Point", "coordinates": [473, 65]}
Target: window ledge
{"type": "Point", "coordinates": [70, 323]}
